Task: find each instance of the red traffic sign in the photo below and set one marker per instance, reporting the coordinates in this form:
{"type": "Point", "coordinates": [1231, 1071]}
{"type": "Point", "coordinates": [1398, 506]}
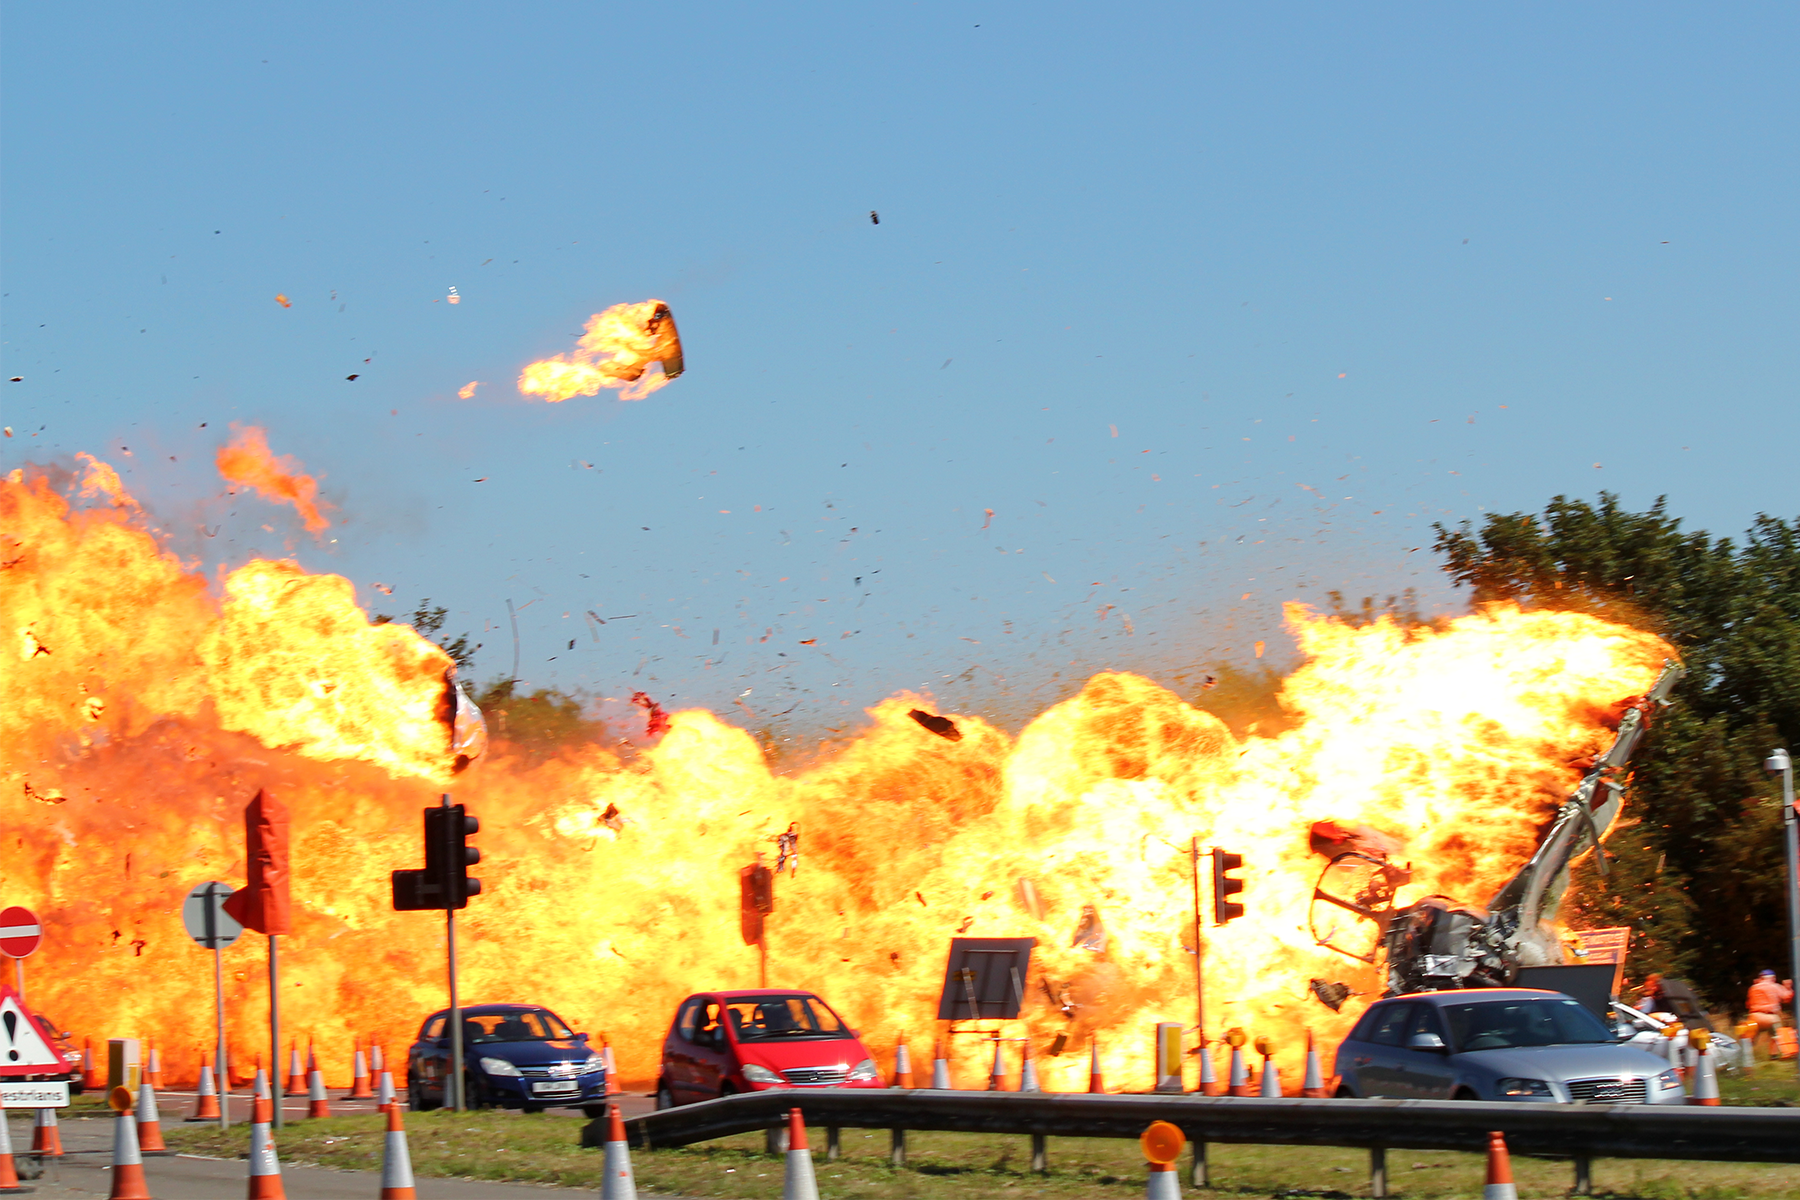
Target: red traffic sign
{"type": "Point", "coordinates": [20, 932]}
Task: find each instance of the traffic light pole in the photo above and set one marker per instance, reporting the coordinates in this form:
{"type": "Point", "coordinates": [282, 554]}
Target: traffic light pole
{"type": "Point", "coordinates": [459, 1101]}
{"type": "Point", "coordinates": [1198, 1175]}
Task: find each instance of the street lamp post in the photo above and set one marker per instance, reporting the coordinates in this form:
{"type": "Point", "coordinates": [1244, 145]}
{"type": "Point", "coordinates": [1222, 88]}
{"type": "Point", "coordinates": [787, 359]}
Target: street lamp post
{"type": "Point", "coordinates": [1781, 764]}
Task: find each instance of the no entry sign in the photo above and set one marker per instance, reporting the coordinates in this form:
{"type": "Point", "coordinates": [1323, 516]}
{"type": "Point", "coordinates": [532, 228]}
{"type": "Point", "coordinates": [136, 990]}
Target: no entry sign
{"type": "Point", "coordinates": [20, 932]}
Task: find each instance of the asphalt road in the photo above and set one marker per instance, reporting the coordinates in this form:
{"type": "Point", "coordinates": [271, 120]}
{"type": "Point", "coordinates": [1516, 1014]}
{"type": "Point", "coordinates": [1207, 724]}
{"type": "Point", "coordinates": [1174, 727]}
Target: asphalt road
{"type": "Point", "coordinates": [85, 1168]}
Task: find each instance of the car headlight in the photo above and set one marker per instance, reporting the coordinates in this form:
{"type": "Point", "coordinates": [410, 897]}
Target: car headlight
{"type": "Point", "coordinates": [862, 1072]}
{"type": "Point", "coordinates": [498, 1066]}
{"type": "Point", "coordinates": [756, 1074]}
{"type": "Point", "coordinates": [1668, 1079]}
{"type": "Point", "coordinates": [595, 1062]}
{"type": "Point", "coordinates": [1515, 1088]}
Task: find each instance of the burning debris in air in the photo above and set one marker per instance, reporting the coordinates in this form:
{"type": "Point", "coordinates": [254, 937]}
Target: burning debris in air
{"type": "Point", "coordinates": [617, 351]}
{"type": "Point", "coordinates": [248, 462]}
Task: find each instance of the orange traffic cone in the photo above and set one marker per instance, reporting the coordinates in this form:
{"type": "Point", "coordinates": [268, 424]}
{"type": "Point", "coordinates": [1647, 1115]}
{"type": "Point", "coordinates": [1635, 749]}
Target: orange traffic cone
{"type": "Point", "coordinates": [940, 1067]}
{"type": "Point", "coordinates": [1499, 1171]}
{"type": "Point", "coordinates": [46, 1135]}
{"type": "Point", "coordinates": [903, 1076]}
{"type": "Point", "coordinates": [128, 1164]}
{"type": "Point", "coordinates": [997, 1077]}
{"type": "Point", "coordinates": [317, 1103]}
{"type": "Point", "coordinates": [1028, 1076]}
{"type": "Point", "coordinates": [265, 1168]}
{"type": "Point", "coordinates": [800, 1183]}
{"type": "Point", "coordinates": [206, 1101]}
{"type": "Point", "coordinates": [613, 1087]}
{"type": "Point", "coordinates": [153, 1069]}
{"type": "Point", "coordinates": [1096, 1079]}
{"type": "Point", "coordinates": [376, 1063]}
{"type": "Point", "coordinates": [149, 1124]}
{"type": "Point", "coordinates": [1313, 1085]}
{"type": "Point", "coordinates": [1209, 1078]}
{"type": "Point", "coordinates": [359, 1078]}
{"type": "Point", "coordinates": [9, 1174]}
{"type": "Point", "coordinates": [1271, 1079]}
{"type": "Point", "coordinates": [91, 1079]}
{"type": "Point", "coordinates": [296, 1080]}
{"type": "Point", "coordinates": [1240, 1072]}
{"type": "Point", "coordinates": [384, 1092]}
{"type": "Point", "coordinates": [396, 1164]}
{"type": "Point", "coordinates": [619, 1183]}
{"type": "Point", "coordinates": [1706, 1074]}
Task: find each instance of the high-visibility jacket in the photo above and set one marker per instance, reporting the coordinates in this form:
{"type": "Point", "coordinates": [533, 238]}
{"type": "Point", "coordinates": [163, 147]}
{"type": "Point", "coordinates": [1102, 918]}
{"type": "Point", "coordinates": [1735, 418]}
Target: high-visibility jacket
{"type": "Point", "coordinates": [1767, 996]}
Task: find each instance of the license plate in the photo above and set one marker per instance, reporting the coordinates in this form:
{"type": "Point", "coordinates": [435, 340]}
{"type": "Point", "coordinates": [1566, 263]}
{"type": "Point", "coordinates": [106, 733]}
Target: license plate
{"type": "Point", "coordinates": [558, 1086]}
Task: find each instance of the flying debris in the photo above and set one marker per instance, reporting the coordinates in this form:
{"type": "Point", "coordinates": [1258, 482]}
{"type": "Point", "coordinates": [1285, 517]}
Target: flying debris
{"type": "Point", "coordinates": [656, 720]}
{"type": "Point", "coordinates": [615, 351]}
{"type": "Point", "coordinates": [1090, 934]}
{"type": "Point", "coordinates": [874, 217]}
{"type": "Point", "coordinates": [944, 727]}
{"type": "Point", "coordinates": [468, 728]}
{"type": "Point", "coordinates": [351, 378]}
{"type": "Point", "coordinates": [787, 850]}
{"type": "Point", "coordinates": [1331, 995]}
{"type": "Point", "coordinates": [282, 300]}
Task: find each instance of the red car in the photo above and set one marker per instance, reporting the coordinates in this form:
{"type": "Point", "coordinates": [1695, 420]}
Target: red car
{"type": "Point", "coordinates": [721, 1043]}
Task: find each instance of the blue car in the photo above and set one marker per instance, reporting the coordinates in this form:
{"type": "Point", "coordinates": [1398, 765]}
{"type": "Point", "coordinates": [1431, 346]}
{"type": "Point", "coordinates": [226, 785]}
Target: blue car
{"type": "Point", "coordinates": [514, 1056]}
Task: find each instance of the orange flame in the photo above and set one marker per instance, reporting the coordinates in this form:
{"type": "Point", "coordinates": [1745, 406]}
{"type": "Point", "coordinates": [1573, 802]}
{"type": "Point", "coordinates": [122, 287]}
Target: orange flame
{"type": "Point", "coordinates": [248, 462]}
{"type": "Point", "coordinates": [616, 351]}
{"type": "Point", "coordinates": [621, 869]}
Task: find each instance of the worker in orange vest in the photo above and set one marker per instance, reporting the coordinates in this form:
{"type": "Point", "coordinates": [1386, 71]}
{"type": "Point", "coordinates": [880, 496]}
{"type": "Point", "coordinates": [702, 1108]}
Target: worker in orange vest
{"type": "Point", "coordinates": [1765, 1001]}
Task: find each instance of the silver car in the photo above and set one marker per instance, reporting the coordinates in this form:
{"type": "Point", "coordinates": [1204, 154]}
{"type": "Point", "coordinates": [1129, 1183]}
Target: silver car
{"type": "Point", "coordinates": [1497, 1044]}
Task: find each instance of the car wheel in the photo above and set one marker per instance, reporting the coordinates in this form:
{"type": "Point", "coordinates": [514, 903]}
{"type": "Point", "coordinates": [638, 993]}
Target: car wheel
{"type": "Point", "coordinates": [415, 1095]}
{"type": "Point", "coordinates": [1344, 1092]}
{"type": "Point", "coordinates": [665, 1099]}
{"type": "Point", "coordinates": [1464, 1093]}
{"type": "Point", "coordinates": [727, 1090]}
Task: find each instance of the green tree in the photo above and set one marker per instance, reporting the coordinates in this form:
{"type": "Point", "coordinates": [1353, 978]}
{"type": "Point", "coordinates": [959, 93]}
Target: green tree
{"type": "Point", "coordinates": [1697, 872]}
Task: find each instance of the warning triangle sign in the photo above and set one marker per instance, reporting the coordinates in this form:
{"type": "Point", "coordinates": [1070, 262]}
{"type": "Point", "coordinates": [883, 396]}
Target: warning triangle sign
{"type": "Point", "coordinates": [23, 1050]}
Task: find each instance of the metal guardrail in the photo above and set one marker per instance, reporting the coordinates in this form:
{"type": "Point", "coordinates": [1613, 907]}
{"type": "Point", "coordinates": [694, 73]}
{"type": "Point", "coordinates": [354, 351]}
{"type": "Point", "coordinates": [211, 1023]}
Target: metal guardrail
{"type": "Point", "coordinates": [1554, 1130]}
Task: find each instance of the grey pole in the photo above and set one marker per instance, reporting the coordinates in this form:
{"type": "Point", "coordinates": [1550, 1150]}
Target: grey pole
{"type": "Point", "coordinates": [456, 1031]}
{"type": "Point", "coordinates": [219, 1066]}
{"type": "Point", "coordinates": [274, 1032]}
{"type": "Point", "coordinates": [1791, 820]}
{"type": "Point", "coordinates": [1780, 761]}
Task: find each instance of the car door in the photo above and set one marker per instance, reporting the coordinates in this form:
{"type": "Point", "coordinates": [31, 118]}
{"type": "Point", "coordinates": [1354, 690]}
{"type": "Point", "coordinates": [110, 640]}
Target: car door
{"type": "Point", "coordinates": [1380, 1075]}
{"type": "Point", "coordinates": [678, 1053]}
{"type": "Point", "coordinates": [1425, 1074]}
{"type": "Point", "coordinates": [711, 1052]}
{"type": "Point", "coordinates": [430, 1063]}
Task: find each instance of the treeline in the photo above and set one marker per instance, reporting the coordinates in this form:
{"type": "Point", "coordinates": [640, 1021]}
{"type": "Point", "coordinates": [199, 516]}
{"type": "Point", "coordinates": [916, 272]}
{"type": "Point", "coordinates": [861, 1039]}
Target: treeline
{"type": "Point", "coordinates": [1697, 866]}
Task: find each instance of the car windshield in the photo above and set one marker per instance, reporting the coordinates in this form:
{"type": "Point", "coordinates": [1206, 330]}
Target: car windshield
{"type": "Point", "coordinates": [783, 1018]}
{"type": "Point", "coordinates": [1502, 1024]}
{"type": "Point", "coordinates": [529, 1025]}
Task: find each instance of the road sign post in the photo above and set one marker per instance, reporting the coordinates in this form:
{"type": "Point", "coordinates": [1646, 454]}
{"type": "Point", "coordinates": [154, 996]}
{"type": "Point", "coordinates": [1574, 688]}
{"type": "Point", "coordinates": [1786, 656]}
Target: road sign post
{"type": "Point", "coordinates": [207, 922]}
{"type": "Point", "coordinates": [20, 934]}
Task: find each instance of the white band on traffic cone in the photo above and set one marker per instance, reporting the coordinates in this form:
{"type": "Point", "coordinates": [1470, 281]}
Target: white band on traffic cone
{"type": "Point", "coordinates": [940, 1069]}
{"type": "Point", "coordinates": [1164, 1182]}
{"type": "Point", "coordinates": [384, 1091]}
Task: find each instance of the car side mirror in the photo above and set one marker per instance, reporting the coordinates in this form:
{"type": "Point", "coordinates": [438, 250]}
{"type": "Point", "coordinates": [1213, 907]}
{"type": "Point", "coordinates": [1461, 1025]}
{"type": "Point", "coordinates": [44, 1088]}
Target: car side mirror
{"type": "Point", "coordinates": [1425, 1041]}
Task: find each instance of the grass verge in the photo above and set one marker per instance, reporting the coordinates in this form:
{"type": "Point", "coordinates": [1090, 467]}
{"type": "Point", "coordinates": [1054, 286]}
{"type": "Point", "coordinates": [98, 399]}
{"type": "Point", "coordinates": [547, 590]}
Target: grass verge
{"type": "Point", "coordinates": [508, 1146]}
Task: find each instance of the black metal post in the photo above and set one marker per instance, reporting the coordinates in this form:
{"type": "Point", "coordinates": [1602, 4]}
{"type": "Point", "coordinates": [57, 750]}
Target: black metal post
{"type": "Point", "coordinates": [1378, 1172]}
{"type": "Point", "coordinates": [897, 1148]}
{"type": "Point", "coordinates": [456, 1031]}
{"type": "Point", "coordinates": [1040, 1154]}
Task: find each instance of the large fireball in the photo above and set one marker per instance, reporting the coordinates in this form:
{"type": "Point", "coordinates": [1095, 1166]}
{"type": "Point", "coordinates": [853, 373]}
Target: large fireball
{"type": "Point", "coordinates": [139, 712]}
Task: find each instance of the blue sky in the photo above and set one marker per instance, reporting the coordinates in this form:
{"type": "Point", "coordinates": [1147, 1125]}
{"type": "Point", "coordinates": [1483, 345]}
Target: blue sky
{"type": "Point", "coordinates": [1213, 306]}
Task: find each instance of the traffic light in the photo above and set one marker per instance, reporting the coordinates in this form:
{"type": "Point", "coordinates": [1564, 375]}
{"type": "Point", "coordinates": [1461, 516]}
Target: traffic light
{"type": "Point", "coordinates": [1223, 885]}
{"type": "Point", "coordinates": [756, 899]}
{"type": "Point", "coordinates": [445, 881]}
